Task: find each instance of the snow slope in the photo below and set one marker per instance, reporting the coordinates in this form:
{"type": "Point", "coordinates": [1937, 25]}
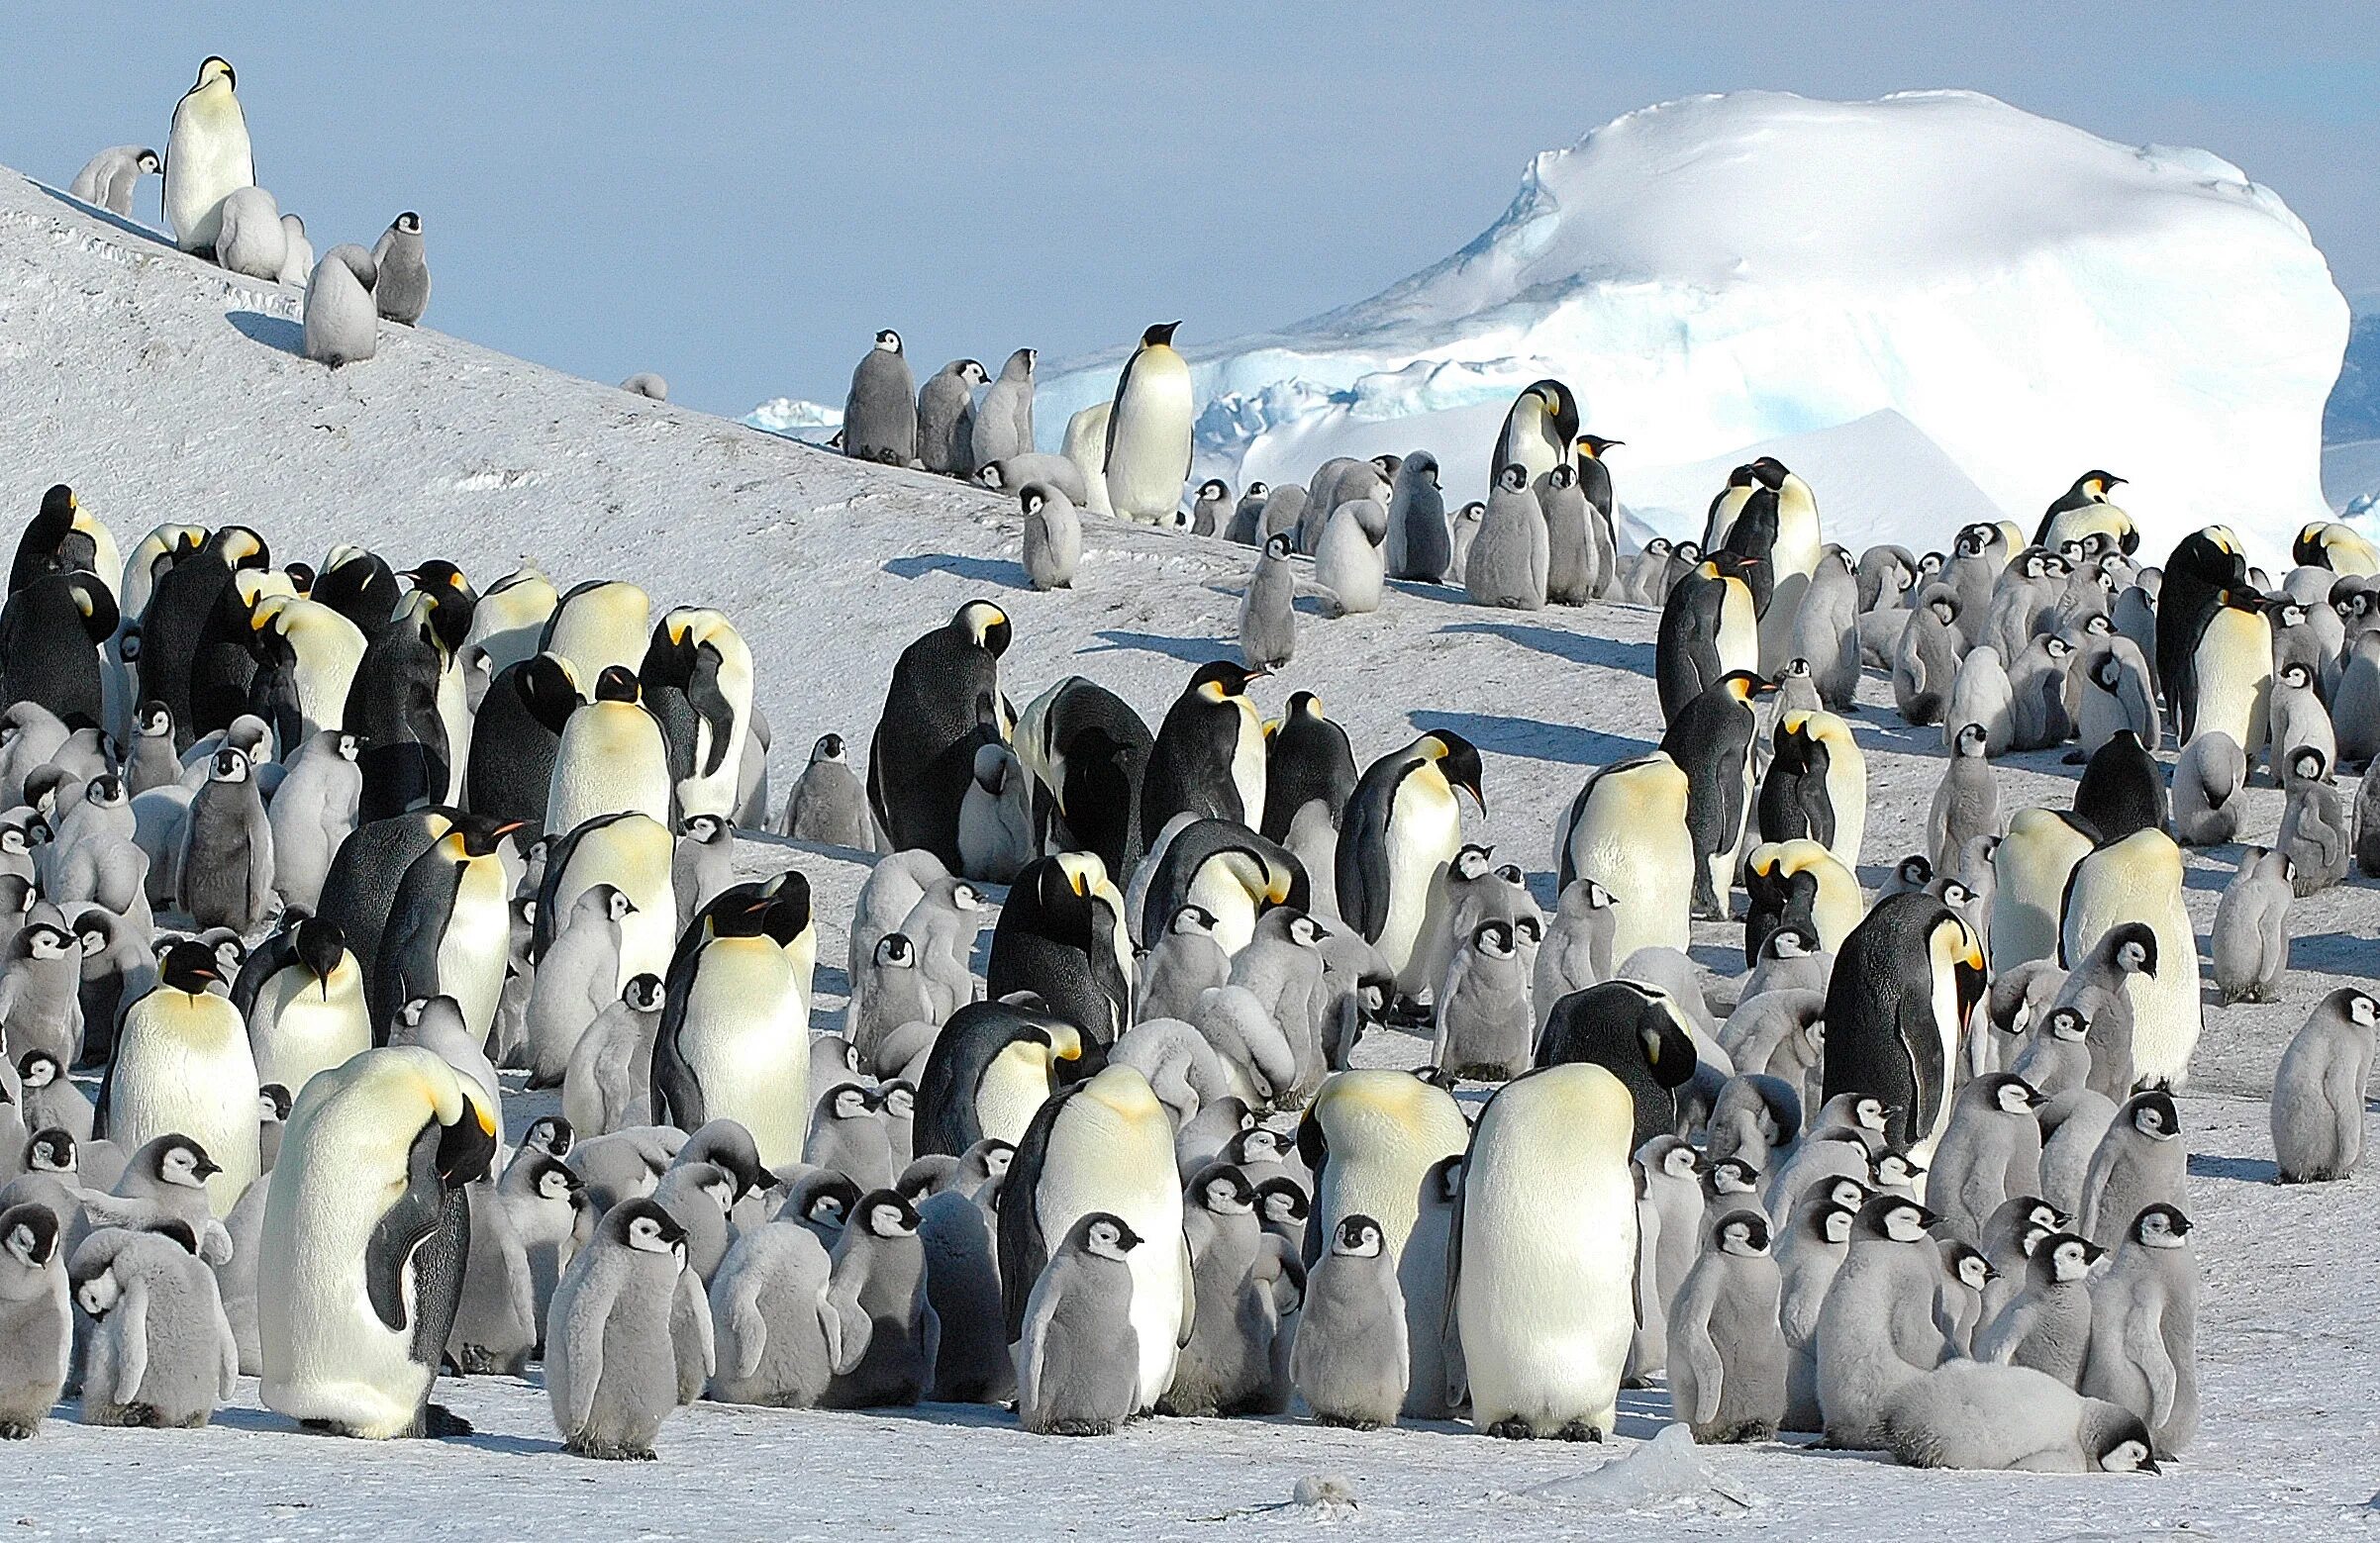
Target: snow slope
{"type": "Point", "coordinates": [164, 390]}
{"type": "Point", "coordinates": [1730, 270]}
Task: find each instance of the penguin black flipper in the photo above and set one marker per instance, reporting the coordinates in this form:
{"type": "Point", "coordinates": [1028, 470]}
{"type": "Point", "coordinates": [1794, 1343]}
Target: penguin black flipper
{"type": "Point", "coordinates": [677, 1097]}
{"type": "Point", "coordinates": [278, 950]}
{"type": "Point", "coordinates": [1363, 856]}
{"type": "Point", "coordinates": [1818, 806]}
{"type": "Point", "coordinates": [410, 1221]}
{"type": "Point", "coordinates": [1023, 1248]}
{"type": "Point", "coordinates": [1314, 1150]}
{"type": "Point", "coordinates": [711, 705]}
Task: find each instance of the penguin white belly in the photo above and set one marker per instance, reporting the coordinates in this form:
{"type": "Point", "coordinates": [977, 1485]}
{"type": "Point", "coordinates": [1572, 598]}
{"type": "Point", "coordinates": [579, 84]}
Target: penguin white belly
{"type": "Point", "coordinates": [1738, 630]}
{"type": "Point", "coordinates": [196, 1075]}
{"type": "Point", "coordinates": [1548, 1272]}
{"type": "Point", "coordinates": [2030, 868]}
{"type": "Point", "coordinates": [2139, 879]}
{"type": "Point", "coordinates": [1425, 831]}
{"type": "Point", "coordinates": [454, 714]}
{"type": "Point", "coordinates": [1527, 440]}
{"type": "Point", "coordinates": [1638, 849]}
{"type": "Point", "coordinates": [2233, 664]}
{"type": "Point", "coordinates": [476, 946]}
{"type": "Point", "coordinates": [1846, 796]}
{"type": "Point", "coordinates": [299, 1031]}
{"type": "Point", "coordinates": [633, 856]}
{"type": "Point", "coordinates": [1148, 455]}
{"type": "Point", "coordinates": [326, 669]}
{"type": "Point", "coordinates": [1951, 1027]}
{"type": "Point", "coordinates": [611, 760]}
{"type": "Point", "coordinates": [1386, 1186]}
{"type": "Point", "coordinates": [1247, 766]}
{"type": "Point", "coordinates": [207, 159]}
{"type": "Point", "coordinates": [1225, 896]}
{"type": "Point", "coordinates": [1125, 1166]}
{"type": "Point", "coordinates": [603, 626]}
{"type": "Point", "coordinates": [1010, 1093]}
{"type": "Point", "coordinates": [714, 794]}
{"type": "Point", "coordinates": [744, 1041]}
{"type": "Point", "coordinates": [506, 625]}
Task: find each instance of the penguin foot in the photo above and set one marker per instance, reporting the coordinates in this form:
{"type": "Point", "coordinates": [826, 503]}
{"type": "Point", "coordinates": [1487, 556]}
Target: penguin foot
{"type": "Point", "coordinates": [1347, 1421]}
{"type": "Point", "coordinates": [437, 1422]}
{"type": "Point", "coordinates": [1080, 1428]}
{"type": "Point", "coordinates": [1580, 1430]}
{"type": "Point", "coordinates": [610, 1451]}
{"type": "Point", "coordinates": [15, 1431]}
{"type": "Point", "coordinates": [1512, 1431]}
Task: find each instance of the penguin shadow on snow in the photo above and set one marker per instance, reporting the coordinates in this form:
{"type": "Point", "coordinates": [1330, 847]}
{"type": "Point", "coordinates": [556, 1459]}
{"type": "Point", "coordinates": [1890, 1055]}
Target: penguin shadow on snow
{"type": "Point", "coordinates": [2332, 953]}
{"type": "Point", "coordinates": [1530, 740]}
{"type": "Point", "coordinates": [976, 570]}
{"type": "Point", "coordinates": [128, 226]}
{"type": "Point", "coordinates": [274, 332]}
{"type": "Point", "coordinates": [1577, 648]}
{"type": "Point", "coordinates": [2242, 1170]}
{"type": "Point", "coordinates": [1189, 650]}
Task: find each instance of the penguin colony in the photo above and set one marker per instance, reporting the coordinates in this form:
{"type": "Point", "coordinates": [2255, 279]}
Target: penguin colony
{"type": "Point", "coordinates": [302, 858]}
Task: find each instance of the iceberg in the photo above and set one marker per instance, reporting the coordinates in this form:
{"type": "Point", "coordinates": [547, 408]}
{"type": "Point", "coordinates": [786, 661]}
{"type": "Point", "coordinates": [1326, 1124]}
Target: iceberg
{"type": "Point", "coordinates": [2024, 301]}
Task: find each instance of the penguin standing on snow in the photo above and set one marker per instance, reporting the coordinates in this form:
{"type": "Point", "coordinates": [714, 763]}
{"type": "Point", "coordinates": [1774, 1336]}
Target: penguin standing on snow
{"type": "Point", "coordinates": [183, 1066]}
{"type": "Point", "coordinates": [1708, 628]}
{"type": "Point", "coordinates": [401, 291]}
{"type": "Point", "coordinates": [207, 156]}
{"type": "Point", "coordinates": [1897, 1006]}
{"type": "Point", "coordinates": [1061, 936]}
{"type": "Point", "coordinates": [50, 632]}
{"type": "Point", "coordinates": [1148, 431]}
{"type": "Point", "coordinates": [1538, 429]}
{"type": "Point", "coordinates": [341, 322]}
{"type": "Point", "coordinates": [367, 1229]}
{"type": "Point", "coordinates": [1711, 740]}
{"type": "Point", "coordinates": [881, 417]}
{"type": "Point", "coordinates": [944, 700]}
{"type": "Point", "coordinates": [450, 929]}
{"type": "Point", "coordinates": [1399, 829]}
{"type": "Point", "coordinates": [1208, 758]}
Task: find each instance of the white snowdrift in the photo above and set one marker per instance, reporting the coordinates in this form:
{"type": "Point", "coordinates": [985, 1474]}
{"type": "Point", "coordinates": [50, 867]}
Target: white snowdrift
{"type": "Point", "coordinates": [1727, 271]}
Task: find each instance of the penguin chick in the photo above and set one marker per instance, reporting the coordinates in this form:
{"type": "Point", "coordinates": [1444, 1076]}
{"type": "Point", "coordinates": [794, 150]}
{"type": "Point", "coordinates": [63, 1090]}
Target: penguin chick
{"type": "Point", "coordinates": [401, 292]}
{"type": "Point", "coordinates": [1506, 562]}
{"type": "Point", "coordinates": [1348, 561]}
{"type": "Point", "coordinates": [297, 253]}
{"type": "Point", "coordinates": [2250, 945]}
{"type": "Point", "coordinates": [37, 1329]}
{"type": "Point", "coordinates": [1183, 965]}
{"type": "Point", "coordinates": [946, 423]}
{"type": "Point", "coordinates": [828, 803]}
{"type": "Point", "coordinates": [605, 1087]}
{"type": "Point", "coordinates": [1971, 1414]}
{"type": "Point", "coordinates": [2315, 833]}
{"type": "Point", "coordinates": [995, 817]}
{"type": "Point", "coordinates": [1267, 617]}
{"type": "Point", "coordinates": [250, 240]}
{"type": "Point", "coordinates": [2210, 779]}
{"type": "Point", "coordinates": [1052, 536]}
{"type": "Point", "coordinates": [1991, 1149]}
{"type": "Point", "coordinates": [1486, 1029]}
{"type": "Point", "coordinates": [109, 178]}
{"type": "Point", "coordinates": [1239, 1274]}
{"type": "Point", "coordinates": [342, 325]}
{"type": "Point", "coordinates": [1351, 1359]}
{"type": "Point", "coordinates": [889, 1325]}
{"type": "Point", "coordinates": [2047, 1325]}
{"type": "Point", "coordinates": [1078, 1357]}
{"type": "Point", "coordinates": [778, 1339]}
{"type": "Point", "coordinates": [161, 1352]}
{"type": "Point", "coordinates": [1876, 1333]}
{"type": "Point", "coordinates": [2145, 1328]}
{"type": "Point", "coordinates": [226, 861]}
{"type": "Point", "coordinates": [2318, 1091]}
{"type": "Point", "coordinates": [1727, 1353]}
{"type": "Point", "coordinates": [611, 1367]}
{"type": "Point", "coordinates": [2140, 1161]}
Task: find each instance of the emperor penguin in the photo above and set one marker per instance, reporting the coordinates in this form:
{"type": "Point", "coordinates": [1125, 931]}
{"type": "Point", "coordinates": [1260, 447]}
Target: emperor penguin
{"type": "Point", "coordinates": [1103, 1144]}
{"type": "Point", "coordinates": [302, 995]}
{"type": "Point", "coordinates": [340, 324]}
{"type": "Point", "coordinates": [402, 290]}
{"type": "Point", "coordinates": [1976, 1414]}
{"type": "Point", "coordinates": [1627, 831]}
{"type": "Point", "coordinates": [2139, 880]}
{"type": "Point", "coordinates": [183, 1065]}
{"type": "Point", "coordinates": [2193, 579]}
{"type": "Point", "coordinates": [1709, 629]}
{"type": "Point", "coordinates": [2086, 513]}
{"type": "Point", "coordinates": [881, 416]}
{"type": "Point", "coordinates": [250, 238]}
{"type": "Point", "coordinates": [2249, 948]}
{"type": "Point", "coordinates": [225, 870]}
{"type": "Point", "coordinates": [2143, 1353]}
{"type": "Point", "coordinates": [1350, 1359]}
{"type": "Point", "coordinates": [1819, 778]}
{"type": "Point", "coordinates": [947, 417]}
{"type": "Point", "coordinates": [1148, 457]}
{"type": "Point", "coordinates": [1711, 740]}
{"type": "Point", "coordinates": [597, 624]}
{"type": "Point", "coordinates": [1372, 1137]}
{"type": "Point", "coordinates": [1877, 1332]}
{"type": "Point", "coordinates": [36, 1324]}
{"type": "Point", "coordinates": [612, 759]}
{"type": "Point", "coordinates": [450, 929]}
{"type": "Point", "coordinates": [733, 1041]}
{"type": "Point", "coordinates": [1905, 983]}
{"type": "Point", "coordinates": [1306, 759]}
{"type": "Point", "coordinates": [944, 694]}
{"type": "Point", "coordinates": [1547, 1195]}
{"type": "Point", "coordinates": [1506, 564]}
{"type": "Point", "coordinates": [1727, 1352]}
{"type": "Point", "coordinates": [778, 1338]}
{"type": "Point", "coordinates": [207, 156]}
{"type": "Point", "coordinates": [1078, 1352]}
{"type": "Point", "coordinates": [2031, 867]}
{"type": "Point", "coordinates": [1003, 424]}
{"type": "Point", "coordinates": [1062, 937]}
{"type": "Point", "coordinates": [49, 632]}
{"type": "Point", "coordinates": [1538, 429]}
{"type": "Point", "coordinates": [2317, 1090]}
{"type": "Point", "coordinates": [828, 806]}
{"type": "Point", "coordinates": [1419, 544]}
{"type": "Point", "coordinates": [1268, 612]}
{"type": "Point", "coordinates": [696, 653]}
{"type": "Point", "coordinates": [108, 178]}
{"type": "Point", "coordinates": [1399, 829]}
{"type": "Point", "coordinates": [366, 1228]}
{"type": "Point", "coordinates": [1208, 756]}
{"type": "Point", "coordinates": [1794, 557]}
{"type": "Point", "coordinates": [2229, 688]}
{"type": "Point", "coordinates": [1085, 445]}
{"type": "Point", "coordinates": [1052, 536]}
{"type": "Point", "coordinates": [612, 1372]}
{"type": "Point", "coordinates": [159, 1352]}
{"type": "Point", "coordinates": [992, 1067]}
{"type": "Point", "coordinates": [2335, 547]}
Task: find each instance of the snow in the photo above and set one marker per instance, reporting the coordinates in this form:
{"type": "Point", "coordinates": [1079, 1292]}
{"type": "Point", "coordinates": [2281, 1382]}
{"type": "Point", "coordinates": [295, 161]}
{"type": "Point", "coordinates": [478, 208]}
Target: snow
{"type": "Point", "coordinates": [1727, 271]}
{"type": "Point", "coordinates": [162, 389]}
{"type": "Point", "coordinates": [796, 418]}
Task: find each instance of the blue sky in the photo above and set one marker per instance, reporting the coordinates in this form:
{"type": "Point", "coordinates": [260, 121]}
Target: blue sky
{"type": "Point", "coordinates": [738, 196]}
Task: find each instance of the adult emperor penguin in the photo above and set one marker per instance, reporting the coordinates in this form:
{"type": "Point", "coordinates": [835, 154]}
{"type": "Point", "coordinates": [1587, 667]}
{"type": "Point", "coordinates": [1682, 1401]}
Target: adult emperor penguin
{"type": "Point", "coordinates": [1627, 831]}
{"type": "Point", "coordinates": [207, 156]}
{"type": "Point", "coordinates": [991, 1067]}
{"type": "Point", "coordinates": [1103, 1145]}
{"type": "Point", "coordinates": [302, 994]}
{"type": "Point", "coordinates": [1816, 784]}
{"type": "Point", "coordinates": [1711, 740]}
{"type": "Point", "coordinates": [611, 758]}
{"type": "Point", "coordinates": [1306, 759]}
{"type": "Point", "coordinates": [1897, 1007]}
{"type": "Point", "coordinates": [2085, 513]}
{"type": "Point", "coordinates": [182, 1065]}
{"type": "Point", "coordinates": [733, 1041]}
{"type": "Point", "coordinates": [450, 930]}
{"type": "Point", "coordinates": [2227, 686]}
{"type": "Point", "coordinates": [597, 624]}
{"type": "Point", "coordinates": [2339, 547]}
{"type": "Point", "coordinates": [2031, 867]}
{"type": "Point", "coordinates": [360, 1263]}
{"type": "Point", "coordinates": [1547, 1195]}
{"type": "Point", "coordinates": [2201, 567]}
{"type": "Point", "coordinates": [307, 656]}
{"type": "Point", "coordinates": [1793, 558]}
{"type": "Point", "coordinates": [1062, 937]}
{"type": "Point", "coordinates": [945, 697]}
{"type": "Point", "coordinates": [1399, 829]}
{"type": "Point", "coordinates": [1709, 629]}
{"type": "Point", "coordinates": [1148, 431]}
{"type": "Point", "coordinates": [64, 538]}
{"type": "Point", "coordinates": [49, 633]}
{"type": "Point", "coordinates": [697, 653]}
{"type": "Point", "coordinates": [1538, 429]}
{"type": "Point", "coordinates": [1372, 1139]}
{"type": "Point", "coordinates": [2139, 879]}
{"type": "Point", "coordinates": [1208, 758]}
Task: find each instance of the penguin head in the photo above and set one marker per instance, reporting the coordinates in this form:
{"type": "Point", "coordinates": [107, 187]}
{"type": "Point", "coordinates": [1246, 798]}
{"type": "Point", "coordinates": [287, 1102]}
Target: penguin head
{"type": "Point", "coordinates": [2067, 1024]}
{"type": "Point", "coordinates": [409, 222]}
{"type": "Point", "coordinates": [1471, 512]}
{"type": "Point", "coordinates": [552, 1179]}
{"type": "Point", "coordinates": [643, 1225]}
{"type": "Point", "coordinates": [1845, 1191]}
{"type": "Point", "coordinates": [1472, 861]}
{"type": "Point", "coordinates": [617, 907]}
{"type": "Point", "coordinates": [1160, 335]}
{"type": "Point", "coordinates": [1528, 930]}
{"type": "Point", "coordinates": [1743, 685]}
{"type": "Point", "coordinates": [1284, 1200]}
{"type": "Point", "coordinates": [1672, 1157]}
{"type": "Point", "coordinates": [888, 341]}
{"type": "Point", "coordinates": [2356, 1006]}
{"type": "Point", "coordinates": [51, 1150]}
{"type": "Point", "coordinates": [229, 765]}
{"type": "Point", "coordinates": [1732, 1176]}
{"type": "Point", "coordinates": [1279, 546]}
{"type": "Point", "coordinates": [2160, 1226]}
{"type": "Point", "coordinates": [1831, 1223]}
{"type": "Point", "coordinates": [828, 748]}
{"type": "Point", "coordinates": [2107, 672]}
{"type": "Point", "coordinates": [1895, 1219]}
{"type": "Point", "coordinates": [1105, 1235]}
{"type": "Point", "coordinates": [42, 940]}
{"type": "Point", "coordinates": [2307, 763]}
{"type": "Point", "coordinates": [1769, 472]}
{"type": "Point", "coordinates": [480, 835]}
{"type": "Point", "coordinates": [1193, 920]}
{"type": "Point", "coordinates": [1869, 1113]}
{"type": "Point", "coordinates": [2062, 1258]}
{"type": "Point", "coordinates": [1563, 477]}
{"type": "Point", "coordinates": [1897, 1169]}
{"type": "Point", "coordinates": [617, 683]}
{"type": "Point", "coordinates": [1967, 1265]}
{"type": "Point", "coordinates": [551, 1134]}
{"type": "Point", "coordinates": [2132, 946]}
{"type": "Point", "coordinates": [273, 1102]}
{"type": "Point", "coordinates": [1220, 1188]}
{"type": "Point", "coordinates": [2153, 1116]}
{"type": "Point", "coordinates": [707, 830]}
{"type": "Point", "coordinates": [212, 70]}
{"type": "Point", "coordinates": [189, 966]}
{"type": "Point", "coordinates": [894, 951]}
{"type": "Point", "coordinates": [1512, 479]}
{"type": "Point", "coordinates": [1915, 870]}
{"type": "Point", "coordinates": [177, 1160]}
{"type": "Point", "coordinates": [991, 768]}
{"type": "Point", "coordinates": [642, 992]}
{"type": "Point", "coordinates": [897, 1100]}
{"type": "Point", "coordinates": [884, 1214]}
{"type": "Point", "coordinates": [1742, 1234]}
{"type": "Point", "coordinates": [1299, 927]}
{"type": "Point", "coordinates": [1357, 1236]}
{"type": "Point", "coordinates": [1212, 490]}
{"type": "Point", "coordinates": [1221, 681]}
{"type": "Point", "coordinates": [984, 625]}
{"type": "Point", "coordinates": [1591, 445]}
{"type": "Point", "coordinates": [1457, 761]}
{"type": "Point", "coordinates": [154, 720]}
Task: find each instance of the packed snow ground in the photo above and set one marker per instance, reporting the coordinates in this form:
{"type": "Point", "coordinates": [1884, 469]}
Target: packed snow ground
{"type": "Point", "coordinates": [164, 390]}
